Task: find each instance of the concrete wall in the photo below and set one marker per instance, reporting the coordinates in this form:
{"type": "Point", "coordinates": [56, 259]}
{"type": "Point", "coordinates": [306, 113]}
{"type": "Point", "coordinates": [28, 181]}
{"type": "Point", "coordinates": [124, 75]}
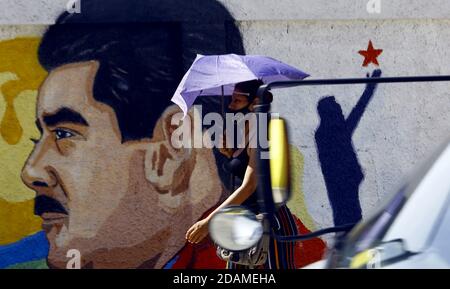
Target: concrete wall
{"type": "Point", "coordinates": [403, 122]}
{"type": "Point", "coordinates": [399, 125]}
{"type": "Point", "coordinates": [44, 11]}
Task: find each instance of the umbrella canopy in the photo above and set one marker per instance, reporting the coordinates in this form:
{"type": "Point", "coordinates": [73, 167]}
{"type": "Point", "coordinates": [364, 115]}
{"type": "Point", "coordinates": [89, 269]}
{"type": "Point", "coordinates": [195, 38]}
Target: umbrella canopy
{"type": "Point", "coordinates": [218, 74]}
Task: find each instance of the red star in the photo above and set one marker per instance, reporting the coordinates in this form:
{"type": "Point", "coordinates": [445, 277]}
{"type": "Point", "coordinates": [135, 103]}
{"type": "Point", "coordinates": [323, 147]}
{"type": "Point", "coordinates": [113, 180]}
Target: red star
{"type": "Point", "coordinates": [370, 55]}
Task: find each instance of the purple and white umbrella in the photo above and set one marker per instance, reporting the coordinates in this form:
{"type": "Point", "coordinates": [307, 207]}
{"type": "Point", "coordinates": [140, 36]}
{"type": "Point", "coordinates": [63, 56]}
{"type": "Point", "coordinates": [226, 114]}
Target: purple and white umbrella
{"type": "Point", "coordinates": [218, 74]}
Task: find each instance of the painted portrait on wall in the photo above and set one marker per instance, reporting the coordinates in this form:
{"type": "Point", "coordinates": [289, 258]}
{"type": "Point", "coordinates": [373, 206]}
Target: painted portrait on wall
{"type": "Point", "coordinates": [106, 178]}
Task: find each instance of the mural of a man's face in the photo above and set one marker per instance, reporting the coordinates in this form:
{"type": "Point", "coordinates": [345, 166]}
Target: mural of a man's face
{"type": "Point", "coordinates": [121, 204]}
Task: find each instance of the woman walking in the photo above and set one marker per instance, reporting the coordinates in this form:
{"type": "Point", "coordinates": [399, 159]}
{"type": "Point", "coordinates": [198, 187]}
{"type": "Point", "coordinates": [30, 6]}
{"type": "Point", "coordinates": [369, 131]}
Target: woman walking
{"type": "Point", "coordinates": [242, 165]}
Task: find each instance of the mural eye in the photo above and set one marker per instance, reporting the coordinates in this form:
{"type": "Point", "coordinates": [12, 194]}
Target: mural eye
{"type": "Point", "coordinates": [62, 134]}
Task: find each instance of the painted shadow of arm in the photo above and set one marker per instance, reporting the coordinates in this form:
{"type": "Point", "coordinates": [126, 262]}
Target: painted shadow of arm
{"type": "Point", "coordinates": [357, 112]}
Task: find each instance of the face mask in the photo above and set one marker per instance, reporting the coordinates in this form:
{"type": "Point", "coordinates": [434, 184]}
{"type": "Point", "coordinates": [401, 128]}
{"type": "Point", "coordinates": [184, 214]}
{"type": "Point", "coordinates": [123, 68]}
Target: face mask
{"type": "Point", "coordinates": [237, 128]}
{"type": "Point", "coordinates": [243, 110]}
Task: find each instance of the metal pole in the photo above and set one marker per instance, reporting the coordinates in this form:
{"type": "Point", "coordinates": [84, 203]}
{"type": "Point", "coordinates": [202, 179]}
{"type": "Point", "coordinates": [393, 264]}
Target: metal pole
{"type": "Point", "coordinates": [264, 188]}
{"type": "Point", "coordinates": [222, 103]}
{"type": "Point", "coordinates": [294, 83]}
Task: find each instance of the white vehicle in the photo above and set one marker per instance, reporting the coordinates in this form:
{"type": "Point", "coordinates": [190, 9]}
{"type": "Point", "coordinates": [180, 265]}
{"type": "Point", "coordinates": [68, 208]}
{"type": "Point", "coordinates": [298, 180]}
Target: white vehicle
{"type": "Point", "coordinates": [412, 230]}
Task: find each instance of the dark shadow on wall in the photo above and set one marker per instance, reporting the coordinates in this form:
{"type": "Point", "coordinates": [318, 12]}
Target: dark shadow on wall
{"type": "Point", "coordinates": [340, 167]}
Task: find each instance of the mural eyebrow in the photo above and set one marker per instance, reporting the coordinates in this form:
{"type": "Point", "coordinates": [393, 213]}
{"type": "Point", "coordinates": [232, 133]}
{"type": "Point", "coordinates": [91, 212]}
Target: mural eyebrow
{"type": "Point", "coordinates": [64, 115]}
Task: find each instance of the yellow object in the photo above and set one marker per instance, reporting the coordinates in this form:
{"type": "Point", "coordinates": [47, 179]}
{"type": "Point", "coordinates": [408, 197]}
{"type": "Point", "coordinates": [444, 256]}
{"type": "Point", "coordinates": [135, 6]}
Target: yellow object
{"type": "Point", "coordinates": [361, 259]}
{"type": "Point", "coordinates": [279, 160]}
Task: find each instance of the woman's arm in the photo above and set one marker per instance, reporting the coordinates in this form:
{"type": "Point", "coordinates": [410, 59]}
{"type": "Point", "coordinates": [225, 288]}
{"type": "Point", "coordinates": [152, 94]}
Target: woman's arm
{"type": "Point", "coordinates": [245, 190]}
{"type": "Point", "coordinates": [199, 230]}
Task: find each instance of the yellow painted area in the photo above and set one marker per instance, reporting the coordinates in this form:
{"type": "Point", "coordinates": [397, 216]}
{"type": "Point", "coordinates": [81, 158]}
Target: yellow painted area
{"type": "Point", "coordinates": [13, 157]}
{"type": "Point", "coordinates": [297, 203]}
{"type": "Point", "coordinates": [20, 78]}
{"type": "Point", "coordinates": [17, 221]}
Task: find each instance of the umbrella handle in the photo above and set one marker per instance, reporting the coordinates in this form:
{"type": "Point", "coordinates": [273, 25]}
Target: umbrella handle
{"type": "Point", "coordinates": [222, 102]}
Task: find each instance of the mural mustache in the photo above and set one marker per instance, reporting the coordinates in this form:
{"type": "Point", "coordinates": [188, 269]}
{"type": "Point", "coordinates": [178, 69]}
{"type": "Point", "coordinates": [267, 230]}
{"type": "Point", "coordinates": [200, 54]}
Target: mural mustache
{"type": "Point", "coordinates": [45, 204]}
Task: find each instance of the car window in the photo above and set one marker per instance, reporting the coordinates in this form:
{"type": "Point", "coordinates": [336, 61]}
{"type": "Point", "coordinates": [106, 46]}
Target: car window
{"type": "Point", "coordinates": [419, 216]}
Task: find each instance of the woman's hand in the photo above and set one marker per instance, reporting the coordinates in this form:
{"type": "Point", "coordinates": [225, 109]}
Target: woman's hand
{"type": "Point", "coordinates": [198, 231]}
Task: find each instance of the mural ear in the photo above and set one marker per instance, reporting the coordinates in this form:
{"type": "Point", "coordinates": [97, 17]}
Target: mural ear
{"type": "Point", "coordinates": [177, 131]}
{"type": "Point", "coordinates": [168, 167]}
{"type": "Point", "coordinates": [182, 134]}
